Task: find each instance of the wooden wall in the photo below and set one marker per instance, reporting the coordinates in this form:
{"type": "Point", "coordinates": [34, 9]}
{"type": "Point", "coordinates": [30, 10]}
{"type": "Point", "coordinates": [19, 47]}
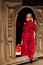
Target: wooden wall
{"type": "Point", "coordinates": [8, 16]}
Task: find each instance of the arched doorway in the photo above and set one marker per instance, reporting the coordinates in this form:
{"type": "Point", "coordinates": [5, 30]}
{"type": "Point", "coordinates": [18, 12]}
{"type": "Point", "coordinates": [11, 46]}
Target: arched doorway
{"type": "Point", "coordinates": [20, 21]}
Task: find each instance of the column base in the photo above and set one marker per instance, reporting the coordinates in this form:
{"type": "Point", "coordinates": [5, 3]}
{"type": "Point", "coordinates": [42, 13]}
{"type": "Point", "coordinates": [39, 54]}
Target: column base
{"type": "Point", "coordinates": [40, 55]}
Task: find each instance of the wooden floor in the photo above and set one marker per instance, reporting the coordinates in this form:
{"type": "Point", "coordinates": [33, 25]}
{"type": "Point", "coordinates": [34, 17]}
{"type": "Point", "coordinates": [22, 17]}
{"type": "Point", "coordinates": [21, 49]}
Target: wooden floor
{"type": "Point", "coordinates": [38, 62]}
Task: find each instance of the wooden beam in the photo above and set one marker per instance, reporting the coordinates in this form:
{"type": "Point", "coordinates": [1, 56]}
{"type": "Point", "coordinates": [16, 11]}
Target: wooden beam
{"type": "Point", "coordinates": [20, 60]}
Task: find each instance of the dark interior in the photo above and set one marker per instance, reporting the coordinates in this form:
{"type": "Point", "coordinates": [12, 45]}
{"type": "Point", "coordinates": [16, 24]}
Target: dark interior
{"type": "Point", "coordinates": [28, 2]}
{"type": "Point", "coordinates": [20, 21]}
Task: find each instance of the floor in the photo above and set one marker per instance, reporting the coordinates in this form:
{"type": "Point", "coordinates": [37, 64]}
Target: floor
{"type": "Point", "coordinates": [38, 62]}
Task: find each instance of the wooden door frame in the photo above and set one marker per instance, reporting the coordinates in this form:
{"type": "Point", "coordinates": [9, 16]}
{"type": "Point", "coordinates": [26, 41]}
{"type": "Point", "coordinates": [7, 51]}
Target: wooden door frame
{"type": "Point", "coordinates": [6, 6]}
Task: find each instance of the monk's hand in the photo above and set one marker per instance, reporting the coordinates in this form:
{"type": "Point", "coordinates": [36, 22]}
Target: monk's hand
{"type": "Point", "coordinates": [22, 42]}
{"type": "Point", "coordinates": [34, 35]}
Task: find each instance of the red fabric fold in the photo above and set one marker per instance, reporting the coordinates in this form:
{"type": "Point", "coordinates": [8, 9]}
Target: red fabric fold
{"type": "Point", "coordinates": [18, 48]}
{"type": "Point", "coordinates": [28, 46]}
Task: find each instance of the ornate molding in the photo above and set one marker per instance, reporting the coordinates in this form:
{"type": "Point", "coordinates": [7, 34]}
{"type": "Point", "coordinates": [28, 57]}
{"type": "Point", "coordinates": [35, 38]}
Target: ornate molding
{"type": "Point", "coordinates": [12, 4]}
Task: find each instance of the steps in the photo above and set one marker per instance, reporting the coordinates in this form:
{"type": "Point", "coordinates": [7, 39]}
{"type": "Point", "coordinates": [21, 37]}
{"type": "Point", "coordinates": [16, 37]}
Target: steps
{"type": "Point", "coordinates": [19, 60]}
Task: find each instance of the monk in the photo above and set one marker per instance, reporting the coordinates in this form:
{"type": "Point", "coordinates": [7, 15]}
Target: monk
{"type": "Point", "coordinates": [28, 37]}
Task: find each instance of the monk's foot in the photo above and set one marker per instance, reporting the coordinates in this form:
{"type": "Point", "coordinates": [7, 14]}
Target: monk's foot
{"type": "Point", "coordinates": [31, 61]}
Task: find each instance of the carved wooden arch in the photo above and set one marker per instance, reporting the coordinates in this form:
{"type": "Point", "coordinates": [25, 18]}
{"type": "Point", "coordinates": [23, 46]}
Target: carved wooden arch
{"type": "Point", "coordinates": [35, 13]}
{"type": "Point", "coordinates": [32, 8]}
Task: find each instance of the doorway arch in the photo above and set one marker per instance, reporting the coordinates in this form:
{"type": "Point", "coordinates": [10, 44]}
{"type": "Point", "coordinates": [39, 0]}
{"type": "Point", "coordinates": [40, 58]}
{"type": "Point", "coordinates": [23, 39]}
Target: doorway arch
{"type": "Point", "coordinates": [21, 19]}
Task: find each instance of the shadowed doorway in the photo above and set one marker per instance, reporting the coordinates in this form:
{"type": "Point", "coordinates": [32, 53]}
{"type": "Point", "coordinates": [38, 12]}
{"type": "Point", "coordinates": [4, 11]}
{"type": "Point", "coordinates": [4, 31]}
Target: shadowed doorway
{"type": "Point", "coordinates": [20, 21]}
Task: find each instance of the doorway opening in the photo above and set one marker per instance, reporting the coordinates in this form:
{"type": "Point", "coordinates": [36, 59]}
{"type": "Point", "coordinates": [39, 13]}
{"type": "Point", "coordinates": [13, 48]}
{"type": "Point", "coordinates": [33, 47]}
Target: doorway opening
{"type": "Point", "coordinates": [20, 21]}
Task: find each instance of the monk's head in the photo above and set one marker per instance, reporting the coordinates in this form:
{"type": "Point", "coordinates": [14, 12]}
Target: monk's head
{"type": "Point", "coordinates": [29, 17]}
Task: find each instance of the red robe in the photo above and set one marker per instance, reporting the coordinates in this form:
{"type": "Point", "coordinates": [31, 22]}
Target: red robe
{"type": "Point", "coordinates": [28, 46]}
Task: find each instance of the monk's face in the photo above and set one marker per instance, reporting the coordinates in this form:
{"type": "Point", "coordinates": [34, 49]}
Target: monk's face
{"type": "Point", "coordinates": [28, 17]}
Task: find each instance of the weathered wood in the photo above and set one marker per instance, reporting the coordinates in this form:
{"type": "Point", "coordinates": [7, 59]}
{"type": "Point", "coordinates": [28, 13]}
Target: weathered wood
{"type": "Point", "coordinates": [1, 33]}
{"type": "Point", "coordinates": [8, 39]}
{"type": "Point", "coordinates": [20, 60]}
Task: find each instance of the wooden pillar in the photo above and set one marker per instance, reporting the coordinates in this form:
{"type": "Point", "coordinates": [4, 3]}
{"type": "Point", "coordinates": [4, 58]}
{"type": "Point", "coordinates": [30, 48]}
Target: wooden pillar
{"type": "Point", "coordinates": [2, 58]}
{"type": "Point", "coordinates": [13, 36]}
{"type": "Point", "coordinates": [0, 31]}
{"type": "Point", "coordinates": [5, 32]}
{"type": "Point", "coordinates": [39, 40]}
